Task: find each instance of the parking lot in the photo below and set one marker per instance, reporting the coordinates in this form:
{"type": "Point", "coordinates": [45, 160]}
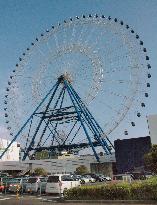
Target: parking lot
{"type": "Point", "coordinates": [37, 190]}
{"type": "Point", "coordinates": [52, 184]}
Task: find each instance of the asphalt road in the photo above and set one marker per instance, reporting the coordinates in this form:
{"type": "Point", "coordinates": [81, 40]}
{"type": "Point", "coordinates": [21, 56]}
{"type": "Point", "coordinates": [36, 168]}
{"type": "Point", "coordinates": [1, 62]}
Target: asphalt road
{"type": "Point", "coordinates": [44, 200]}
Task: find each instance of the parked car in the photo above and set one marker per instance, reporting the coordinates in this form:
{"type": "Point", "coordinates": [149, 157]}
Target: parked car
{"type": "Point", "coordinates": [36, 184]}
{"type": "Point", "coordinates": [104, 178]}
{"type": "Point", "coordinates": [24, 183]}
{"type": "Point", "coordinates": [1, 185]}
{"type": "Point", "coordinates": [87, 179]}
{"type": "Point", "coordinates": [84, 180]}
{"type": "Point", "coordinates": [107, 178]}
{"type": "Point", "coordinates": [15, 185]}
{"type": "Point", "coordinates": [3, 174]}
{"type": "Point", "coordinates": [56, 184]}
{"type": "Point", "coordinates": [97, 177]}
{"type": "Point", "coordinates": [6, 182]}
{"type": "Point", "coordinates": [91, 179]}
{"type": "Point", "coordinates": [76, 177]}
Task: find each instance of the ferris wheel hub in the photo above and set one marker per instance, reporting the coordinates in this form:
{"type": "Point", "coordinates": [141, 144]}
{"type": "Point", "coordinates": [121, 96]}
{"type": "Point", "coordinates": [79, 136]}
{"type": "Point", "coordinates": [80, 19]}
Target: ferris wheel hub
{"type": "Point", "coordinates": [66, 76]}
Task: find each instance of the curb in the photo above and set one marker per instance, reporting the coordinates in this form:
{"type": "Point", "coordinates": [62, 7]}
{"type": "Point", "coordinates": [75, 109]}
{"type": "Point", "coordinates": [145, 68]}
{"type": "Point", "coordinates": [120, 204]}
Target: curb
{"type": "Point", "coordinates": [109, 201]}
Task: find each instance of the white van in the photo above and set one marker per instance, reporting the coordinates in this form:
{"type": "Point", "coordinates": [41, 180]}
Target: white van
{"type": "Point", "coordinates": [56, 184]}
{"type": "Point", "coordinates": [36, 184]}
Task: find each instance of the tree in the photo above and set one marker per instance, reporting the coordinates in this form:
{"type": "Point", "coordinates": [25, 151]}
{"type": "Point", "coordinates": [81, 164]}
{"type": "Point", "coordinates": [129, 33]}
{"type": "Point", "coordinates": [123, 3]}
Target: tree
{"type": "Point", "coordinates": [150, 160]}
{"type": "Point", "coordinates": [81, 170]}
{"type": "Point", "coordinates": [40, 171]}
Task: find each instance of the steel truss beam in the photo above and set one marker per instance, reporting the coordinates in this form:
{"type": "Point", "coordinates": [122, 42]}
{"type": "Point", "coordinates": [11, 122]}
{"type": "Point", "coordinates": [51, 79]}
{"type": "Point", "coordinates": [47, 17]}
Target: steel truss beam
{"type": "Point", "coordinates": [77, 112]}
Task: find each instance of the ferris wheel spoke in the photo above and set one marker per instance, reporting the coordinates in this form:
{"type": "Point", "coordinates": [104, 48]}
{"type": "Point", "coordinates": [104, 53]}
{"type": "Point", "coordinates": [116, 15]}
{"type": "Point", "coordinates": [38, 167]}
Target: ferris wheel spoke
{"type": "Point", "coordinates": [40, 51]}
{"type": "Point", "coordinates": [118, 69]}
{"type": "Point", "coordinates": [108, 51]}
{"type": "Point", "coordinates": [117, 58]}
{"type": "Point", "coordinates": [64, 38]}
{"type": "Point", "coordinates": [109, 107]}
{"type": "Point", "coordinates": [93, 30]}
{"type": "Point", "coordinates": [107, 45]}
{"type": "Point", "coordinates": [49, 47]}
{"type": "Point", "coordinates": [81, 33]}
{"type": "Point", "coordinates": [102, 34]}
{"type": "Point", "coordinates": [119, 95]}
{"type": "Point", "coordinates": [118, 81]}
{"type": "Point", "coordinates": [56, 42]}
{"type": "Point", "coordinates": [73, 33]}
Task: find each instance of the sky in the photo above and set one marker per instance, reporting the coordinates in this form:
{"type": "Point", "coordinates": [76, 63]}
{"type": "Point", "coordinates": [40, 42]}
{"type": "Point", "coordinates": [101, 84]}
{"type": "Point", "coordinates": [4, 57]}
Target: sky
{"type": "Point", "coordinates": [21, 21]}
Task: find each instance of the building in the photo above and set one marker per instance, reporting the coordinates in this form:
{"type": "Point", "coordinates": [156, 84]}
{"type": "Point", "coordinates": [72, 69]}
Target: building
{"type": "Point", "coordinates": [60, 165]}
{"type": "Point", "coordinates": [105, 168]}
{"type": "Point", "coordinates": [67, 163]}
{"type": "Point", "coordinates": [152, 126]}
{"type": "Point", "coordinates": [129, 153]}
{"type": "Point", "coordinates": [13, 152]}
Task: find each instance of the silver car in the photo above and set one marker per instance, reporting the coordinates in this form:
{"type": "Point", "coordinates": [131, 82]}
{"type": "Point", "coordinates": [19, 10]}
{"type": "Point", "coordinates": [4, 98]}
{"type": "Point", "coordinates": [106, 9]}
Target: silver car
{"type": "Point", "coordinates": [36, 185]}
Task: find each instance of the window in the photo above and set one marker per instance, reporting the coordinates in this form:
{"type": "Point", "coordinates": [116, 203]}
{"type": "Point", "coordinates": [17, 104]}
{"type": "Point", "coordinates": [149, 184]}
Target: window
{"type": "Point", "coordinates": [66, 178]}
{"type": "Point", "coordinates": [32, 180]}
{"type": "Point", "coordinates": [54, 179]}
{"type": "Point", "coordinates": [43, 179]}
{"type": "Point", "coordinates": [24, 180]}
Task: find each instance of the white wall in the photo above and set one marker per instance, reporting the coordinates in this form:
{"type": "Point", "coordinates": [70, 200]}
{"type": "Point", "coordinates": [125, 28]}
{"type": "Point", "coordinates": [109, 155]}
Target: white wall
{"type": "Point", "coordinates": [13, 152]}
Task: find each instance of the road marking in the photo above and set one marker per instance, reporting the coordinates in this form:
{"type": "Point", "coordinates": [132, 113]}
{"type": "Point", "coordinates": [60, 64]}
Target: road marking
{"type": "Point", "coordinates": [4, 199]}
{"type": "Point", "coordinates": [39, 198]}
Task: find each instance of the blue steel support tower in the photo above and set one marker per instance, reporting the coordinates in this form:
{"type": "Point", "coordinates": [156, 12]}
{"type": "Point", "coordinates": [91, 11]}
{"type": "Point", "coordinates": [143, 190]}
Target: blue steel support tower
{"type": "Point", "coordinates": [51, 116]}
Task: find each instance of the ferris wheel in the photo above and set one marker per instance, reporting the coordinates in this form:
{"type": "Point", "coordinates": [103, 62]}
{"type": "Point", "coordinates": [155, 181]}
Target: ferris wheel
{"type": "Point", "coordinates": [75, 84]}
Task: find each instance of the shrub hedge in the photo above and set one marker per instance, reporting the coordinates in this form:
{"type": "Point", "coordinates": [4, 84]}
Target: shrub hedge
{"type": "Point", "coordinates": [139, 190]}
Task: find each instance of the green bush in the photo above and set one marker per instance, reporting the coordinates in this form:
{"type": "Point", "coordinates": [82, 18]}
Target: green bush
{"type": "Point", "coordinates": [145, 190]}
{"type": "Point", "coordinates": [118, 191]}
{"type": "Point", "coordinates": [140, 190]}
